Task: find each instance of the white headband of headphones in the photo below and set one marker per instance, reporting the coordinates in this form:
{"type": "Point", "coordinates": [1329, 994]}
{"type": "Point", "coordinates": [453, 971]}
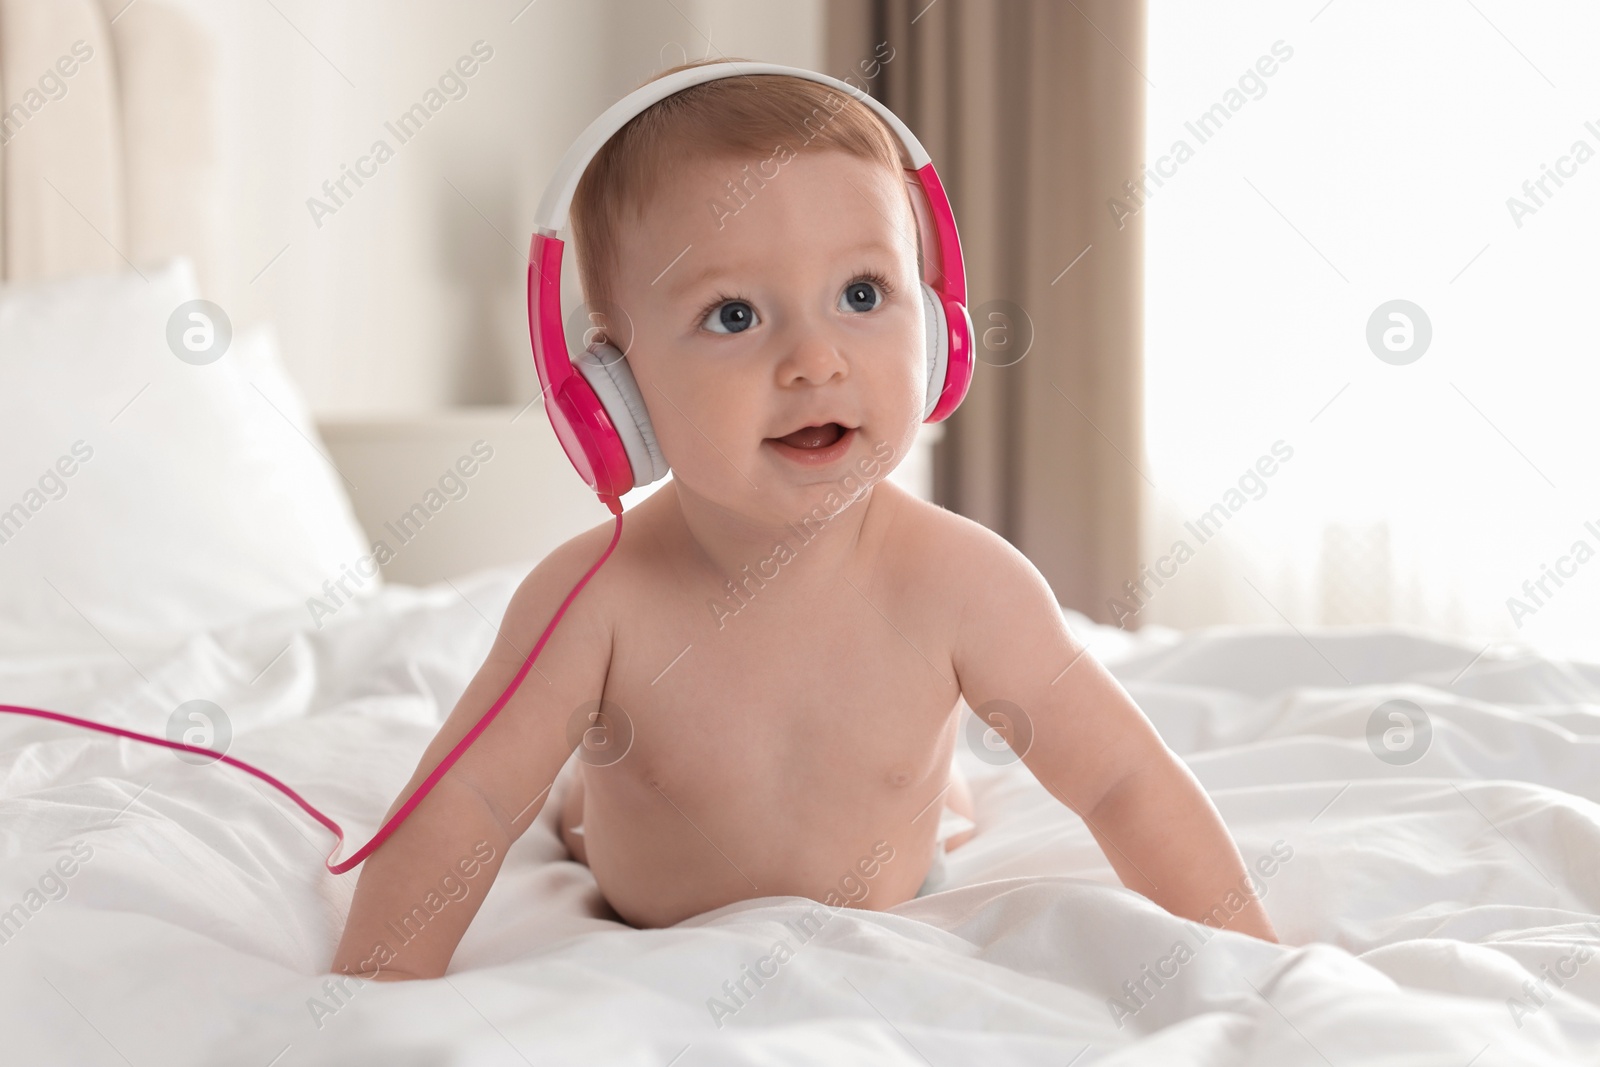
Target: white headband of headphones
{"type": "Point", "coordinates": [552, 215]}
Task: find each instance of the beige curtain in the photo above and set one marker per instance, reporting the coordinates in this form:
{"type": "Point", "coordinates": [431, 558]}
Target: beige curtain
{"type": "Point", "coordinates": [1033, 111]}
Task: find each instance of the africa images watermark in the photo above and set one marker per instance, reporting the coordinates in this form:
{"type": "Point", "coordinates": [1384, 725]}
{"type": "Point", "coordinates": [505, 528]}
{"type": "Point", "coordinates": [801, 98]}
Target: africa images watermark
{"type": "Point", "coordinates": [452, 486]}
{"type": "Point", "coordinates": [851, 889]}
{"type": "Point", "coordinates": [452, 85]}
{"type": "Point", "coordinates": [50, 887]}
{"type": "Point", "coordinates": [600, 733]}
{"type": "Point", "coordinates": [1252, 481]}
{"type": "Point", "coordinates": [1137, 993]}
{"type": "Point", "coordinates": [1566, 566]}
{"type": "Point", "coordinates": [806, 529]}
{"type": "Point", "coordinates": [1580, 153]}
{"type": "Point", "coordinates": [404, 929]}
{"type": "Point", "coordinates": [1566, 969]}
{"type": "Point", "coordinates": [739, 192]}
{"type": "Point", "coordinates": [51, 485]}
{"type": "Point", "coordinates": [1206, 126]}
{"type": "Point", "coordinates": [52, 86]}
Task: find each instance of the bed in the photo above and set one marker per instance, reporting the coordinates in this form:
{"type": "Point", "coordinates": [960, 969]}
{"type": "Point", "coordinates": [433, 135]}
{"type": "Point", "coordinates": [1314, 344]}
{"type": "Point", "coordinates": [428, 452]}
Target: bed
{"type": "Point", "coordinates": [1422, 816]}
{"type": "Point", "coordinates": [1415, 903]}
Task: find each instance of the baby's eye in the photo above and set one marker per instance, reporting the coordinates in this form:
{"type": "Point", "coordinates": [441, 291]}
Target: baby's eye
{"type": "Point", "coordinates": [863, 294]}
{"type": "Point", "coordinates": [732, 316]}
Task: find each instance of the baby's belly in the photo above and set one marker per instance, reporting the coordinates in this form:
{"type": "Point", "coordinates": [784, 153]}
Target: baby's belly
{"type": "Point", "coordinates": [667, 844]}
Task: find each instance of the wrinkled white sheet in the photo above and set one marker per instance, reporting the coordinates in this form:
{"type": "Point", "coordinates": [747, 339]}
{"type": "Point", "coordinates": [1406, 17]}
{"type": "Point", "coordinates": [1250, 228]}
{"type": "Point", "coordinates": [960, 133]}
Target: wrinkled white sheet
{"type": "Point", "coordinates": [1416, 904]}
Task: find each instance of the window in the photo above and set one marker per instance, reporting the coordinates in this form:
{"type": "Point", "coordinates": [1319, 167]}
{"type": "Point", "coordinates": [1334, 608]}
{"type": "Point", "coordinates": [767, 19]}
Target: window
{"type": "Point", "coordinates": [1310, 164]}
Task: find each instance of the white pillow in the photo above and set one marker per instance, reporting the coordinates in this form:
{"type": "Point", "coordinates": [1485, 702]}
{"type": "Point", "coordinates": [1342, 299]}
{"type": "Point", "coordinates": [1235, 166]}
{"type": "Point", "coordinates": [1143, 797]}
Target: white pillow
{"type": "Point", "coordinates": [144, 498]}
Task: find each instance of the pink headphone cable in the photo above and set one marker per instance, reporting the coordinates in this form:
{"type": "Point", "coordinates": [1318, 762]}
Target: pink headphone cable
{"type": "Point", "coordinates": [422, 790]}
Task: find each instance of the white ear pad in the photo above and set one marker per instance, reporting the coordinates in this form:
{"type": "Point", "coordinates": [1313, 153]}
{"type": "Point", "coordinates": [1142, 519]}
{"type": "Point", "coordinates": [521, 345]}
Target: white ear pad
{"type": "Point", "coordinates": [607, 372]}
{"type": "Point", "coordinates": [938, 346]}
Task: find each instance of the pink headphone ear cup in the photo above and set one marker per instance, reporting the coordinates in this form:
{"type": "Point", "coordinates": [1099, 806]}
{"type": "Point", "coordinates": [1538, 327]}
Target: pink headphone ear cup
{"type": "Point", "coordinates": [949, 354]}
{"type": "Point", "coordinates": [959, 369]}
{"type": "Point", "coordinates": [588, 437]}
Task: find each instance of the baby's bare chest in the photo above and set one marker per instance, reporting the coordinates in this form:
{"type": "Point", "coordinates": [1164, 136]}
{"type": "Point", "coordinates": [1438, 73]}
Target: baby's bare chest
{"type": "Point", "coordinates": [841, 688]}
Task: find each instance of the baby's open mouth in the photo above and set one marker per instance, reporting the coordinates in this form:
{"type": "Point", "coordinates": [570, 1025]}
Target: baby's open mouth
{"type": "Point", "coordinates": [813, 437]}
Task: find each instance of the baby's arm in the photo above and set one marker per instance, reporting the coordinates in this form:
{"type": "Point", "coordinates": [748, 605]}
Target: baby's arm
{"type": "Point", "coordinates": [1091, 746]}
{"type": "Point", "coordinates": [498, 786]}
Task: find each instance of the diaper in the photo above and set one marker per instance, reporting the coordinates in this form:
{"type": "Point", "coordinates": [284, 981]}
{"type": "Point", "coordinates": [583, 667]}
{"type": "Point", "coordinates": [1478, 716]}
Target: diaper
{"type": "Point", "coordinates": [950, 823]}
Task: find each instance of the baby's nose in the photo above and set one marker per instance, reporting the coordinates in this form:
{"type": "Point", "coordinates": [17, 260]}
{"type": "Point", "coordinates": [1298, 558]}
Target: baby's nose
{"type": "Point", "coordinates": [814, 358]}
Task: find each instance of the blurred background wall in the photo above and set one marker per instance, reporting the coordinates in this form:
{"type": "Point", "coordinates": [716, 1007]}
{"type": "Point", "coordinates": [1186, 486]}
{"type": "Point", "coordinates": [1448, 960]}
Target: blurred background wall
{"type": "Point", "coordinates": [393, 275]}
{"type": "Point", "coordinates": [1436, 491]}
{"type": "Point", "coordinates": [409, 294]}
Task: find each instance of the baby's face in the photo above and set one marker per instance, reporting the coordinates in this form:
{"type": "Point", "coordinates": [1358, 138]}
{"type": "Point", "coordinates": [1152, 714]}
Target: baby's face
{"type": "Point", "coordinates": [801, 308]}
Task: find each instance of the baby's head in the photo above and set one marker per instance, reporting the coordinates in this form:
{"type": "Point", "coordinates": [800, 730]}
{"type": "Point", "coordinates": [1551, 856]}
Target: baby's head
{"type": "Point", "coordinates": [750, 243]}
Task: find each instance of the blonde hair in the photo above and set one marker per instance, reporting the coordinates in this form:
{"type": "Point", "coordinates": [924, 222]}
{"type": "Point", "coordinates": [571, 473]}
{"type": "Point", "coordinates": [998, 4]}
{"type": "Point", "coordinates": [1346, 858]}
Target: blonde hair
{"type": "Point", "coordinates": [755, 116]}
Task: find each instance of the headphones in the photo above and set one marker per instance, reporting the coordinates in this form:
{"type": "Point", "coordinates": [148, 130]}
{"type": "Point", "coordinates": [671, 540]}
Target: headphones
{"type": "Point", "coordinates": [598, 413]}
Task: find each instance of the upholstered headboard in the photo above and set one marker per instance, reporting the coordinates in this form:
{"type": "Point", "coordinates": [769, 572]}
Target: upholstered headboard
{"type": "Point", "coordinates": [108, 138]}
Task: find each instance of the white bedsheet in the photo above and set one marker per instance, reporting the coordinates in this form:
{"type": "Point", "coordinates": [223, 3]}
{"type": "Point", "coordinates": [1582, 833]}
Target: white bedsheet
{"type": "Point", "coordinates": [1416, 902]}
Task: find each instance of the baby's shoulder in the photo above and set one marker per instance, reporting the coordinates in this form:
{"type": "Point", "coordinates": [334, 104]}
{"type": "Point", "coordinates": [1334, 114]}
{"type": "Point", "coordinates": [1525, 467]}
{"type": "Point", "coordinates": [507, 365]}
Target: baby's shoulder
{"type": "Point", "coordinates": [557, 576]}
{"type": "Point", "coordinates": [937, 549]}
{"type": "Point", "coordinates": [939, 539]}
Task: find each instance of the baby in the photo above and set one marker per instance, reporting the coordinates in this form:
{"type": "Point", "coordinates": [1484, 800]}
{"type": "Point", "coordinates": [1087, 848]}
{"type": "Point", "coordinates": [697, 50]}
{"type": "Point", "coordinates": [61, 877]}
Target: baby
{"type": "Point", "coordinates": [763, 682]}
